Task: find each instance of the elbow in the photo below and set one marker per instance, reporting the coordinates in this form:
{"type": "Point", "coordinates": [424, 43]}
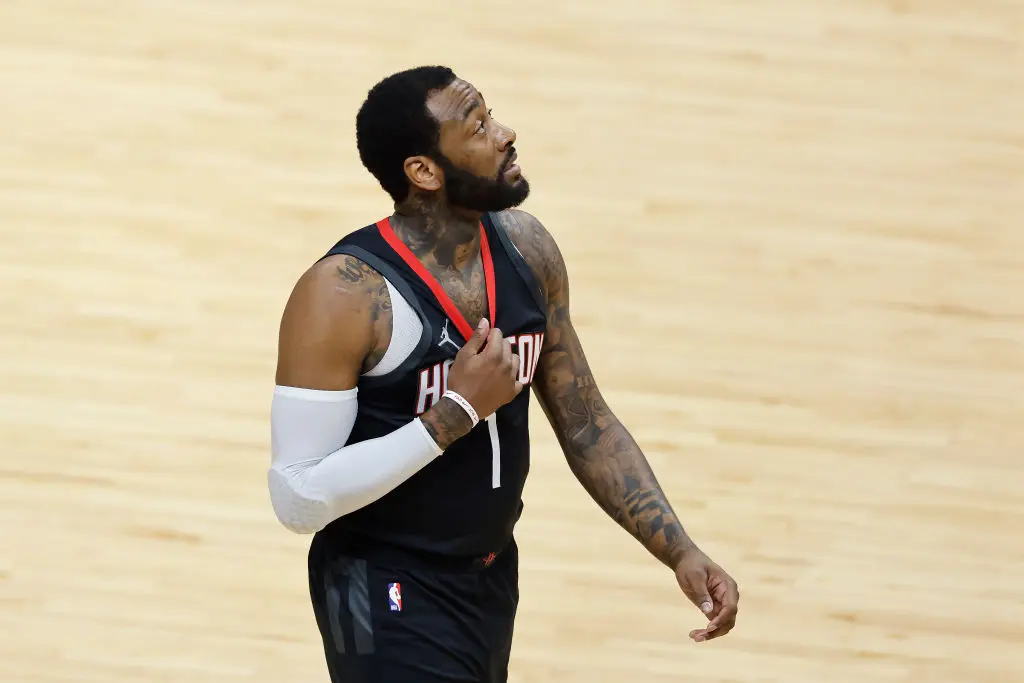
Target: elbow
{"type": "Point", "coordinates": [293, 519]}
{"type": "Point", "coordinates": [294, 525]}
{"type": "Point", "coordinates": [298, 527]}
{"type": "Point", "coordinates": [590, 441]}
{"type": "Point", "coordinates": [294, 511]}
{"type": "Point", "coordinates": [578, 454]}
{"type": "Point", "coordinates": [580, 441]}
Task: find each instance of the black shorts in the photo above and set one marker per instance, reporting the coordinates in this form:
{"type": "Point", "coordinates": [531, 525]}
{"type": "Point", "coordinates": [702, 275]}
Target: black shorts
{"type": "Point", "coordinates": [387, 619]}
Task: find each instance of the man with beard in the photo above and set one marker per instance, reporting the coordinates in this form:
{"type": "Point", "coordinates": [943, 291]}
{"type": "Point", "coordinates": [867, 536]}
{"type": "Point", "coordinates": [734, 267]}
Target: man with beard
{"type": "Point", "coordinates": [399, 420]}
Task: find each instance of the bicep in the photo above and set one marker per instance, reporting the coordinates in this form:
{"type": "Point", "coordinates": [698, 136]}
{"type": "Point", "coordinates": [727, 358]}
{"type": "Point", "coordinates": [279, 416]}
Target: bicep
{"type": "Point", "coordinates": [326, 329]}
{"type": "Point", "coordinates": [564, 383]}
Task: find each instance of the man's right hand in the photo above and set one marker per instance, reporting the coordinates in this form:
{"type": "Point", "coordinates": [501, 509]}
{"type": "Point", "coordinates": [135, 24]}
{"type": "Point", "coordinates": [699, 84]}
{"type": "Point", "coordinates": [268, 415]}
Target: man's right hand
{"type": "Point", "coordinates": [485, 373]}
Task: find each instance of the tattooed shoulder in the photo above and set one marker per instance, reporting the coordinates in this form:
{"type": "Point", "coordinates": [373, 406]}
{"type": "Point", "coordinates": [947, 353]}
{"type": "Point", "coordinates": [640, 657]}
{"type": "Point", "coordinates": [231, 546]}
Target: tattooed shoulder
{"type": "Point", "coordinates": [354, 272]}
{"type": "Point", "coordinates": [539, 250]}
{"type": "Point", "coordinates": [354, 278]}
{"type": "Point", "coordinates": [383, 325]}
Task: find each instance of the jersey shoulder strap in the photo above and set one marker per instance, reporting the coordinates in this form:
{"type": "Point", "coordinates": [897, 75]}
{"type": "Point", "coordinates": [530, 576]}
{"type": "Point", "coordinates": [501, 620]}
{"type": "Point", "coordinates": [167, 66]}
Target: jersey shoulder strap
{"type": "Point", "coordinates": [494, 227]}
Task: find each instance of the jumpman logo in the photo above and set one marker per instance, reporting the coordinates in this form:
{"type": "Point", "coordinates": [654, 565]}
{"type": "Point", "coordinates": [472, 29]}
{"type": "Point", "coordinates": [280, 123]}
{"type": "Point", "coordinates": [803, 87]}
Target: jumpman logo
{"type": "Point", "coordinates": [446, 337]}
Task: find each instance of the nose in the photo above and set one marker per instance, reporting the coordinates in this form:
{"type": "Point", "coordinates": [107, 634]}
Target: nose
{"type": "Point", "coordinates": [507, 138]}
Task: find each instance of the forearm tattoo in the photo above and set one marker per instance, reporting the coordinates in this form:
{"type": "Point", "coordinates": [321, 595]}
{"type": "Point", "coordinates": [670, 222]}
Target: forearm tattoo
{"type": "Point", "coordinates": [600, 451]}
{"type": "Point", "coordinates": [446, 421]}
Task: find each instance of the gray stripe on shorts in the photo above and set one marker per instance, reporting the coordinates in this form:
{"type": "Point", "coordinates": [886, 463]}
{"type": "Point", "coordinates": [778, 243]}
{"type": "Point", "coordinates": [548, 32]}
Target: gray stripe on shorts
{"type": "Point", "coordinates": [359, 607]}
{"type": "Point", "coordinates": [348, 606]}
{"type": "Point", "coordinates": [333, 596]}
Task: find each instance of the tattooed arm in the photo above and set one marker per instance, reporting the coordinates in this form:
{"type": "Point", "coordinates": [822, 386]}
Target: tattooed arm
{"type": "Point", "coordinates": [599, 449]}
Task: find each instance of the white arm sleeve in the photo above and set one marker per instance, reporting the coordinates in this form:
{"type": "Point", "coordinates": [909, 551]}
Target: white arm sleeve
{"type": "Point", "coordinates": [314, 478]}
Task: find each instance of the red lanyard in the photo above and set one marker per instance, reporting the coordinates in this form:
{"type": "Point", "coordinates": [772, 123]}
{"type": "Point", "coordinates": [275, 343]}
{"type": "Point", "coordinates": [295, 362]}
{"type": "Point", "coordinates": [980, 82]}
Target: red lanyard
{"type": "Point", "coordinates": [384, 225]}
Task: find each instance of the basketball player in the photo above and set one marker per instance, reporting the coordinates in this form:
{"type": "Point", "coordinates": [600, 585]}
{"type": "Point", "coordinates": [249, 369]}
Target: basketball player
{"type": "Point", "coordinates": [399, 420]}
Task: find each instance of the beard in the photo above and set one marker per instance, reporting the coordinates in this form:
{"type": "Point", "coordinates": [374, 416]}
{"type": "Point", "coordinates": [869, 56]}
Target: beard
{"type": "Point", "coordinates": [480, 193]}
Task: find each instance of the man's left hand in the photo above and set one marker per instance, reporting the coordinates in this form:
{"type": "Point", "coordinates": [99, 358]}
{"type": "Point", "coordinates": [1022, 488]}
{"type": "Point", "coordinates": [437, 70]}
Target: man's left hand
{"type": "Point", "coordinates": [712, 590]}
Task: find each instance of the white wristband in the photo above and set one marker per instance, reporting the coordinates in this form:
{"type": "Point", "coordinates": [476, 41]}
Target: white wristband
{"type": "Point", "coordinates": [464, 404]}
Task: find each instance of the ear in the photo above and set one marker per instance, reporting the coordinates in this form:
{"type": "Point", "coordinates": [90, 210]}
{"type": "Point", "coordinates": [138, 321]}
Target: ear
{"type": "Point", "coordinates": [423, 173]}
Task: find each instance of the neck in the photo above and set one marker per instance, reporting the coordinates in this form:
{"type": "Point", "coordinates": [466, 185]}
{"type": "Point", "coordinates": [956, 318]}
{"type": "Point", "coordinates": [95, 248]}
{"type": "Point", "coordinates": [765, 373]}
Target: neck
{"type": "Point", "coordinates": [450, 238]}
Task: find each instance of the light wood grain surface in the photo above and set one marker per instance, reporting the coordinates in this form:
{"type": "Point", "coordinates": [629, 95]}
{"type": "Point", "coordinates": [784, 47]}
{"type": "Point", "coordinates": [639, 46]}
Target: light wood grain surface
{"type": "Point", "coordinates": [794, 236]}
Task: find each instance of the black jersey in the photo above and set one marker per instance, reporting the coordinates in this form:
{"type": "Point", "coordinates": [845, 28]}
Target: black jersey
{"type": "Point", "coordinates": [466, 502]}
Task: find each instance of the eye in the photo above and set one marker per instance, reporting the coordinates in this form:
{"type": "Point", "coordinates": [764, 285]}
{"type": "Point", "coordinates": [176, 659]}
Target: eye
{"type": "Point", "coordinates": [483, 127]}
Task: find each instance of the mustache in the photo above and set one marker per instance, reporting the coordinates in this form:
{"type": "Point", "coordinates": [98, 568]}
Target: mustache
{"type": "Point", "coordinates": [508, 160]}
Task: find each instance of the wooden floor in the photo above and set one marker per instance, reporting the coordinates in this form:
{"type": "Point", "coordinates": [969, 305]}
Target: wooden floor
{"type": "Point", "coordinates": [794, 233]}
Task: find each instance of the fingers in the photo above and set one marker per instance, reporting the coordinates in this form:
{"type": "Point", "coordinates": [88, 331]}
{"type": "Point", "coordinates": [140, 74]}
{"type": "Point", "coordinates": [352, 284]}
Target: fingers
{"type": "Point", "coordinates": [494, 346]}
{"type": "Point", "coordinates": [506, 354]}
{"type": "Point", "coordinates": [727, 597]}
{"type": "Point", "coordinates": [511, 361]}
{"type": "Point", "coordinates": [726, 606]}
{"type": "Point", "coordinates": [476, 340]}
{"type": "Point", "coordinates": [715, 629]}
{"type": "Point", "coordinates": [714, 592]}
{"type": "Point", "coordinates": [723, 623]}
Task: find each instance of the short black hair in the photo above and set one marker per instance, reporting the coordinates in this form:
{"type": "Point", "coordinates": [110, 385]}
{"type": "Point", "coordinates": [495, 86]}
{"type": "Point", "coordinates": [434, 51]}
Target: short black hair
{"type": "Point", "coordinates": [394, 124]}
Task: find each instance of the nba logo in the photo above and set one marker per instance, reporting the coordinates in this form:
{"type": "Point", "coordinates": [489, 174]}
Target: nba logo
{"type": "Point", "coordinates": [395, 597]}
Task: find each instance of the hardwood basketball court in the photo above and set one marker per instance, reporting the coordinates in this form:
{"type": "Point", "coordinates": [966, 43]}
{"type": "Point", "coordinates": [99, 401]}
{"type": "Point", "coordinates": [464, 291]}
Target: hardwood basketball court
{"type": "Point", "coordinates": [793, 235]}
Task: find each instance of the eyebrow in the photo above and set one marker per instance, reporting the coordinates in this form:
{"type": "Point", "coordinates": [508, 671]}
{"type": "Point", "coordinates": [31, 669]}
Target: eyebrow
{"type": "Point", "coordinates": [473, 104]}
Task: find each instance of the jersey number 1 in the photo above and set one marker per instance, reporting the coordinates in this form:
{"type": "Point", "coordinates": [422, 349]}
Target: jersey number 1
{"type": "Point", "coordinates": [492, 429]}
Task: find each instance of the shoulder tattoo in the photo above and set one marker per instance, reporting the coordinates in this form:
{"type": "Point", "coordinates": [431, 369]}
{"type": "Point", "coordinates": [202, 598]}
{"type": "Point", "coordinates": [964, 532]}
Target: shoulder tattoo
{"type": "Point", "coordinates": [358, 279]}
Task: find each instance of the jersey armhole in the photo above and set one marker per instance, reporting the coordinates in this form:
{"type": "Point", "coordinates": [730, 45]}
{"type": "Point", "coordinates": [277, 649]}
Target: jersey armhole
{"type": "Point", "coordinates": [395, 282]}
